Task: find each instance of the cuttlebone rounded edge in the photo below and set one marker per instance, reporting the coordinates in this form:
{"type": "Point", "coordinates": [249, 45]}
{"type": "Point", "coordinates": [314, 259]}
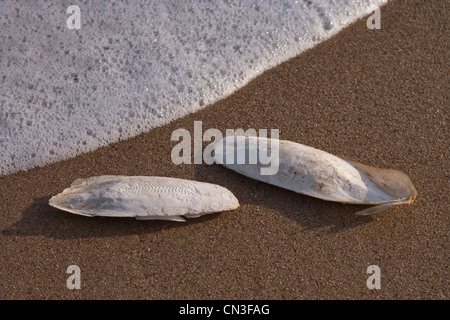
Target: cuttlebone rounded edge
{"type": "Point", "coordinates": [392, 182]}
{"type": "Point", "coordinates": [74, 211]}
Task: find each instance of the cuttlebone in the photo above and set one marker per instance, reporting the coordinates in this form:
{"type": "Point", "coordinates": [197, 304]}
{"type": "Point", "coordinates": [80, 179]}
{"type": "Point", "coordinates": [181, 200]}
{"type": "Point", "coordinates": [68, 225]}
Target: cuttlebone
{"type": "Point", "coordinates": [144, 198]}
{"type": "Point", "coordinates": [319, 174]}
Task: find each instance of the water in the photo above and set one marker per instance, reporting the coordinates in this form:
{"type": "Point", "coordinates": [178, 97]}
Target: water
{"type": "Point", "coordinates": [136, 65]}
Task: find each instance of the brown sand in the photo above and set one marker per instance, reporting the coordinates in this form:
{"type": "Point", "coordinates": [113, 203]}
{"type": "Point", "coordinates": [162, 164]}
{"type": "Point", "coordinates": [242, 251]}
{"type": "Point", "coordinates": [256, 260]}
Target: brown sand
{"type": "Point", "coordinates": [379, 96]}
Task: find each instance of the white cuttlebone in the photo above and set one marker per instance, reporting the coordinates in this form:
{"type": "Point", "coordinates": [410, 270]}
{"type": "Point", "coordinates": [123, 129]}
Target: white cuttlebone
{"type": "Point", "coordinates": [319, 174]}
{"type": "Point", "coordinates": [145, 198]}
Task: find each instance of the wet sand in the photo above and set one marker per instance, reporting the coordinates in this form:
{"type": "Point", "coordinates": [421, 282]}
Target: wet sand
{"type": "Point", "coordinates": [378, 96]}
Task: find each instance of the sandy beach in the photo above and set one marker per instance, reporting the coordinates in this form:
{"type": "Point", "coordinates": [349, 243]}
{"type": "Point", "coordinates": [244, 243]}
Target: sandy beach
{"type": "Point", "coordinates": [378, 96]}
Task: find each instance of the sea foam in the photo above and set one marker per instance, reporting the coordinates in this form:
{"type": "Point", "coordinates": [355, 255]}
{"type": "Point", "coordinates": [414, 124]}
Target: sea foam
{"type": "Point", "coordinates": [136, 65]}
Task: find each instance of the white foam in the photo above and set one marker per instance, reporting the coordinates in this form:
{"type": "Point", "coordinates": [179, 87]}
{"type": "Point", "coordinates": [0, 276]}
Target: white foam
{"type": "Point", "coordinates": [136, 65]}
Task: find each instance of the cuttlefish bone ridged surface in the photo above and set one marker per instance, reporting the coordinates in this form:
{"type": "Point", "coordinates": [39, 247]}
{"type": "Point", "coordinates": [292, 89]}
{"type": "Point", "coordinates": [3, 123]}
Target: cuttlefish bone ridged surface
{"type": "Point", "coordinates": [144, 198]}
